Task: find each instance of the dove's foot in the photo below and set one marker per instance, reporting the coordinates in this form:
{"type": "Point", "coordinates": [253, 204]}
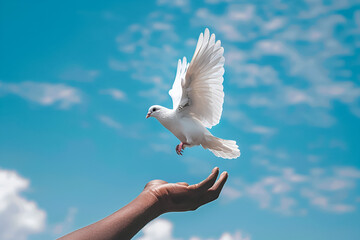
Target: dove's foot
{"type": "Point", "coordinates": [180, 148]}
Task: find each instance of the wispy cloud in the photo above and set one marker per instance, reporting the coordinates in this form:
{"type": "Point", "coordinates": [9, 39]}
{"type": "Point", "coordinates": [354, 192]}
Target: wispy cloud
{"type": "Point", "coordinates": [45, 94]}
{"type": "Point", "coordinates": [66, 225]}
{"type": "Point", "coordinates": [79, 74]}
{"type": "Point", "coordinates": [184, 5]}
{"type": "Point", "coordinates": [281, 191]}
{"type": "Point", "coordinates": [284, 63]}
{"type": "Point", "coordinates": [196, 166]}
{"type": "Point", "coordinates": [262, 130]}
{"type": "Point", "coordinates": [161, 147]}
{"type": "Point", "coordinates": [238, 235]}
{"type": "Point", "coordinates": [159, 229]}
{"type": "Point", "coordinates": [231, 24]}
{"type": "Point", "coordinates": [110, 122]}
{"type": "Point", "coordinates": [118, 65]}
{"type": "Point", "coordinates": [19, 217]}
{"type": "Point", "coordinates": [323, 202]}
{"type": "Point", "coordinates": [162, 229]}
{"type": "Point", "coordinates": [116, 94]}
{"type": "Point", "coordinates": [231, 193]}
{"type": "Point", "coordinates": [243, 122]}
{"type": "Point", "coordinates": [149, 60]}
{"type": "Point", "coordinates": [252, 75]}
{"type": "Point", "coordinates": [348, 172]}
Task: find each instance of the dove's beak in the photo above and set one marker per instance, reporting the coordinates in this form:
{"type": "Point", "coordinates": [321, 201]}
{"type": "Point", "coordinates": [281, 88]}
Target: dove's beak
{"type": "Point", "coordinates": [148, 115]}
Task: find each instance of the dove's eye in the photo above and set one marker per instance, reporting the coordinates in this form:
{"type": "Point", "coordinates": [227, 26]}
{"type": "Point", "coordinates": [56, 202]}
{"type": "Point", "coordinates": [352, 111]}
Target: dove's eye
{"type": "Point", "coordinates": [154, 109]}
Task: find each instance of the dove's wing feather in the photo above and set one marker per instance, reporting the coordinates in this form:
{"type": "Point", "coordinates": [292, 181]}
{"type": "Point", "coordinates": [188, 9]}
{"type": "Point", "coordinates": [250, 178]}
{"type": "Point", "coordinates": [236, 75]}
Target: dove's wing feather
{"type": "Point", "coordinates": [176, 90]}
{"type": "Point", "coordinates": [198, 92]}
{"type": "Point", "coordinates": [202, 90]}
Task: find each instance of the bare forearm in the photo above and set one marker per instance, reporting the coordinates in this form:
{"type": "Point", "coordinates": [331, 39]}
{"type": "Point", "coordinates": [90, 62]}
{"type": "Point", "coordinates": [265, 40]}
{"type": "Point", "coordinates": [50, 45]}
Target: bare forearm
{"type": "Point", "coordinates": [157, 198]}
{"type": "Point", "coordinates": [124, 223]}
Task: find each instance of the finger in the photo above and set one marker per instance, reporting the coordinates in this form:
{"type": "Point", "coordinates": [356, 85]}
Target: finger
{"type": "Point", "coordinates": [183, 183]}
{"type": "Point", "coordinates": [214, 192]}
{"type": "Point", "coordinates": [208, 182]}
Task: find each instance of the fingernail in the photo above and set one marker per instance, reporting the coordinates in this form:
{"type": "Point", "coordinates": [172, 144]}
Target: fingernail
{"type": "Point", "coordinates": [215, 169]}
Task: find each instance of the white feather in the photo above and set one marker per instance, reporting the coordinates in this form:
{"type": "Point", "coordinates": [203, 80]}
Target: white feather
{"type": "Point", "coordinates": [202, 84]}
{"type": "Point", "coordinates": [198, 97]}
{"type": "Point", "coordinates": [176, 90]}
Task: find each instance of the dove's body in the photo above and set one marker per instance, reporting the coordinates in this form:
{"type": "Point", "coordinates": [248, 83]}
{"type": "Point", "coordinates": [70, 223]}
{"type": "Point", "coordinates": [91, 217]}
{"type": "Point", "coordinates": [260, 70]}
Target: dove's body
{"type": "Point", "coordinates": [187, 129]}
{"type": "Point", "coordinates": [198, 96]}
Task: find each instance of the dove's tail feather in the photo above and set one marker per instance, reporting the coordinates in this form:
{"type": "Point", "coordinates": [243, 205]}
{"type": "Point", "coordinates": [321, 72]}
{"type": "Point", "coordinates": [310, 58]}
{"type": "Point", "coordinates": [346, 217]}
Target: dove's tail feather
{"type": "Point", "coordinates": [221, 147]}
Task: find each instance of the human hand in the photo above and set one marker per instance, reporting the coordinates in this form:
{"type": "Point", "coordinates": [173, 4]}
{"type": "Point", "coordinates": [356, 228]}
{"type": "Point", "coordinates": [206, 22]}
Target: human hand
{"type": "Point", "coordinates": [178, 197]}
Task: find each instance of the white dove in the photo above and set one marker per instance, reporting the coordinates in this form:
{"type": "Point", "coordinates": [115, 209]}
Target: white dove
{"type": "Point", "coordinates": [198, 96]}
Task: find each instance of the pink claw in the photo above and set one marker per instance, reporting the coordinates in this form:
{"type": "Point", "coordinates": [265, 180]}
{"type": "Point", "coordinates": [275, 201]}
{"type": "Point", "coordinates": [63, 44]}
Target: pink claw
{"type": "Point", "coordinates": [180, 148]}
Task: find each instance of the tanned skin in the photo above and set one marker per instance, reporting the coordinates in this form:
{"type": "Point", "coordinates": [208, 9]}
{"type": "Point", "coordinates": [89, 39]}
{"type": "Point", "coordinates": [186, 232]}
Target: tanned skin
{"type": "Point", "coordinates": [158, 197]}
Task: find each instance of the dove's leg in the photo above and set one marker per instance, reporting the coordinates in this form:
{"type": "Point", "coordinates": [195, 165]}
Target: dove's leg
{"type": "Point", "coordinates": [179, 148]}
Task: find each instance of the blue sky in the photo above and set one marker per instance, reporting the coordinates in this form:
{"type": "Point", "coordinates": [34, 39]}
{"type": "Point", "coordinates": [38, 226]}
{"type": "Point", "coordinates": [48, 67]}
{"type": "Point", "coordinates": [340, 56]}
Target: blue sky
{"type": "Point", "coordinates": [76, 81]}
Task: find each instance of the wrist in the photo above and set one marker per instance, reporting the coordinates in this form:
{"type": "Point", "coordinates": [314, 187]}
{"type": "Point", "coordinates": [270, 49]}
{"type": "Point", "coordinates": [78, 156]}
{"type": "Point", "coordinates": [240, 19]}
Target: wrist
{"type": "Point", "coordinates": [152, 203]}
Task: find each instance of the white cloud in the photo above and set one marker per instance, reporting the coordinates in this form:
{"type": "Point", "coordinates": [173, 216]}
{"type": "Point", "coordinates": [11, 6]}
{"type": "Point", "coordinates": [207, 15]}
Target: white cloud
{"type": "Point", "coordinates": [307, 69]}
{"type": "Point", "coordinates": [271, 47]}
{"type": "Point", "coordinates": [235, 116]}
{"type": "Point", "coordinates": [162, 229]}
{"type": "Point", "coordinates": [234, 57]}
{"type": "Point", "coordinates": [274, 24]}
{"type": "Point", "coordinates": [160, 147]}
{"type": "Point", "coordinates": [317, 8]}
{"type": "Point", "coordinates": [252, 75]}
{"type": "Point", "coordinates": [19, 217]}
{"type": "Point", "coordinates": [238, 235]}
{"type": "Point", "coordinates": [314, 101]}
{"type": "Point", "coordinates": [227, 25]}
{"type": "Point", "coordinates": [241, 12]}
{"type": "Point", "coordinates": [155, 93]}
{"type": "Point", "coordinates": [217, 1]}
{"type": "Point", "coordinates": [321, 189]}
{"type": "Point", "coordinates": [150, 61]}
{"type": "Point", "coordinates": [334, 184]}
{"type": "Point", "coordinates": [347, 172]}
{"type": "Point", "coordinates": [44, 93]}
{"type": "Point", "coordinates": [325, 203]}
{"type": "Point", "coordinates": [191, 42]}
{"type": "Point", "coordinates": [290, 175]}
{"type": "Point", "coordinates": [230, 193]}
{"type": "Point", "coordinates": [161, 26]}
{"type": "Point", "coordinates": [121, 66]}
{"type": "Point", "coordinates": [159, 229]}
{"type": "Point", "coordinates": [79, 74]}
{"type": "Point", "coordinates": [110, 16]}
{"type": "Point", "coordinates": [247, 125]}
{"type": "Point", "coordinates": [262, 130]}
{"type": "Point", "coordinates": [66, 225]}
{"type": "Point", "coordinates": [293, 96]}
{"type": "Point", "coordinates": [108, 121]}
{"type": "Point", "coordinates": [258, 192]}
{"type": "Point", "coordinates": [116, 94]}
{"type": "Point", "coordinates": [184, 5]}
{"type": "Point", "coordinates": [196, 166]}
{"type": "Point", "coordinates": [259, 101]}
{"type": "Point", "coordinates": [290, 66]}
{"type": "Point", "coordinates": [309, 63]}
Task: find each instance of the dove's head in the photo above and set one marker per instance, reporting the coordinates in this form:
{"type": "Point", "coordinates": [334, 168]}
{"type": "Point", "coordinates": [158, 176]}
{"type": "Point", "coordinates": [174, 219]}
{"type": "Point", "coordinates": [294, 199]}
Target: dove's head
{"type": "Point", "coordinates": [155, 111]}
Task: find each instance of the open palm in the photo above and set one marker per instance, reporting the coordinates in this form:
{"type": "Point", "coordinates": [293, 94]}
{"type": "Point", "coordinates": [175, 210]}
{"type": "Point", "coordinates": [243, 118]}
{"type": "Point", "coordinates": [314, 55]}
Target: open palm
{"type": "Point", "coordinates": [177, 197]}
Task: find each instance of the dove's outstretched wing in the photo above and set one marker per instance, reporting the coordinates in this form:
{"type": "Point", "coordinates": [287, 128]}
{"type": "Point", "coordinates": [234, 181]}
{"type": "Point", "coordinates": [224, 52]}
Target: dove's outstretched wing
{"type": "Point", "coordinates": [198, 88]}
{"type": "Point", "coordinates": [176, 91]}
